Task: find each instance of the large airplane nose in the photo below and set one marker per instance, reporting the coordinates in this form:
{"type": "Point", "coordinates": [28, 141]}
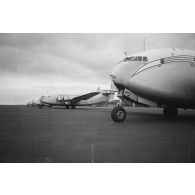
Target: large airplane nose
{"type": "Point", "coordinates": [121, 74]}
{"type": "Point", "coordinates": [118, 76]}
{"type": "Point", "coordinates": [115, 76]}
{"type": "Point", "coordinates": [44, 100]}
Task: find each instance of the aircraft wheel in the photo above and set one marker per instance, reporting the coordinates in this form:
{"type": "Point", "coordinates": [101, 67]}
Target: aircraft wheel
{"type": "Point", "coordinates": [49, 106]}
{"type": "Point", "coordinates": [73, 107]}
{"type": "Point", "coordinates": [40, 107]}
{"type": "Point", "coordinates": [67, 107]}
{"type": "Point", "coordinates": [170, 111]}
{"type": "Point", "coordinates": [118, 114]}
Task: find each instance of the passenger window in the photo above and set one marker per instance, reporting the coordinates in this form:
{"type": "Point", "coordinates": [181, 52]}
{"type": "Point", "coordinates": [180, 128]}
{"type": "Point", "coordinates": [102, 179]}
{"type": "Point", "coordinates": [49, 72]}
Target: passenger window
{"type": "Point", "coordinates": [145, 59]}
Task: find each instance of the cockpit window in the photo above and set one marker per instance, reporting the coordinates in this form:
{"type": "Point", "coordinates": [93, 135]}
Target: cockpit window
{"type": "Point", "coordinates": [139, 58]}
{"type": "Point", "coordinates": [145, 59]}
{"type": "Point", "coordinates": [129, 58]}
{"type": "Point", "coordinates": [136, 58]}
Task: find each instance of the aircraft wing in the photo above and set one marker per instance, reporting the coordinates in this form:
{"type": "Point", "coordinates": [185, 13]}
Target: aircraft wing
{"type": "Point", "coordinates": [84, 97]}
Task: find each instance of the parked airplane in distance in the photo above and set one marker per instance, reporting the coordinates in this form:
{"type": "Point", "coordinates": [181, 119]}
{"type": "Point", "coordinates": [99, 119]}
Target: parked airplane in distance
{"type": "Point", "coordinates": [73, 100]}
{"type": "Point", "coordinates": [37, 103]}
{"type": "Point", "coordinates": [162, 78]}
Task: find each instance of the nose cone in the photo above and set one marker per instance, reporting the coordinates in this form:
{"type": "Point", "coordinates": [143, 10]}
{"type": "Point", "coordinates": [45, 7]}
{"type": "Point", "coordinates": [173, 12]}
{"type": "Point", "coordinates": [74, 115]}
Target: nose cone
{"type": "Point", "coordinates": [42, 98]}
{"type": "Point", "coordinates": [122, 73]}
{"type": "Point", "coordinates": [48, 100]}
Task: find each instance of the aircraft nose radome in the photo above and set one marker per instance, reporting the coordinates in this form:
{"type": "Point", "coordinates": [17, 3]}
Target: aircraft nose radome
{"type": "Point", "coordinates": [116, 74]}
{"type": "Point", "coordinates": [116, 77]}
{"type": "Point", "coordinates": [44, 100]}
{"type": "Point", "coordinates": [121, 74]}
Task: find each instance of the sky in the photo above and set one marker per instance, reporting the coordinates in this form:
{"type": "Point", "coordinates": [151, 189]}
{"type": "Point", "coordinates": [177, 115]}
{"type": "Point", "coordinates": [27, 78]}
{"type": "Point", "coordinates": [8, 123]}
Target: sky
{"type": "Point", "coordinates": [37, 64]}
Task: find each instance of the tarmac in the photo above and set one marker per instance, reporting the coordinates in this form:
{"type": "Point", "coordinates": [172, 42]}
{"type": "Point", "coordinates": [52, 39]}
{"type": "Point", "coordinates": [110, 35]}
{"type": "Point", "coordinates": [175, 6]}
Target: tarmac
{"type": "Point", "coordinates": [88, 135]}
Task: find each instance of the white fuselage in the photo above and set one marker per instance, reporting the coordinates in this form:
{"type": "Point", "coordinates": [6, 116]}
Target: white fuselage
{"type": "Point", "coordinates": [66, 100]}
{"type": "Point", "coordinates": [167, 77]}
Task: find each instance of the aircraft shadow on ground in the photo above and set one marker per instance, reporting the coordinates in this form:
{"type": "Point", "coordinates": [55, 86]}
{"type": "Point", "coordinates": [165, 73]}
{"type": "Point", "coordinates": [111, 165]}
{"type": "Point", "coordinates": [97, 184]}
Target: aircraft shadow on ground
{"type": "Point", "coordinates": [159, 116]}
{"type": "Point", "coordinates": [149, 115]}
{"type": "Point", "coordinates": [77, 108]}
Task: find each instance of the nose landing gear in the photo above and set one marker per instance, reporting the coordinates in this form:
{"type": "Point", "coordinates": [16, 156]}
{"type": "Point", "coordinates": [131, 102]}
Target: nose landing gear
{"type": "Point", "coordinates": [40, 106]}
{"type": "Point", "coordinates": [118, 114]}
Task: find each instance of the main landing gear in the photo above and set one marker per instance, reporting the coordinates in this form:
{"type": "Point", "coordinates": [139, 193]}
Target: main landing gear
{"type": "Point", "coordinates": [40, 106]}
{"type": "Point", "coordinates": [118, 114]}
{"type": "Point", "coordinates": [170, 111]}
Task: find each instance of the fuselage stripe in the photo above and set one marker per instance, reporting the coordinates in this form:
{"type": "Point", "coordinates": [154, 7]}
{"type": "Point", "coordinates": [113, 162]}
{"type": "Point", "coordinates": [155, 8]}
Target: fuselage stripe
{"type": "Point", "coordinates": [166, 61]}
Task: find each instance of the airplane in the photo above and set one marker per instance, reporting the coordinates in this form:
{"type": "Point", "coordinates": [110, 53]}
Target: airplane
{"type": "Point", "coordinates": [162, 78]}
{"type": "Point", "coordinates": [73, 100]}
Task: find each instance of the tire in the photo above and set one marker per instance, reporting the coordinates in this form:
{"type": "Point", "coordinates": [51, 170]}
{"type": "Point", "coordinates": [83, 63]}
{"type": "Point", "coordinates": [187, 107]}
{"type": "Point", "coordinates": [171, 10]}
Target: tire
{"type": "Point", "coordinates": [169, 111]}
{"type": "Point", "coordinates": [67, 107]}
{"type": "Point", "coordinates": [118, 114]}
{"type": "Point", "coordinates": [73, 107]}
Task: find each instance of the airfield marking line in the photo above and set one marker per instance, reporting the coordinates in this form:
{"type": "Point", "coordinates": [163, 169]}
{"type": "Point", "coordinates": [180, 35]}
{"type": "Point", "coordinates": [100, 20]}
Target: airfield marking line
{"type": "Point", "coordinates": [92, 151]}
{"type": "Point", "coordinates": [188, 155]}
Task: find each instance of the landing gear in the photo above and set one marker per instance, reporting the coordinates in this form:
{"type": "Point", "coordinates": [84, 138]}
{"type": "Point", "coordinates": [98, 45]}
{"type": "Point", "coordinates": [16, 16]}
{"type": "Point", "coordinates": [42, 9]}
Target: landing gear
{"type": "Point", "coordinates": [170, 111]}
{"type": "Point", "coordinates": [67, 107]}
{"type": "Point", "coordinates": [40, 106]}
{"type": "Point", "coordinates": [49, 106]}
{"type": "Point", "coordinates": [73, 107]}
{"type": "Point", "coordinates": [118, 114]}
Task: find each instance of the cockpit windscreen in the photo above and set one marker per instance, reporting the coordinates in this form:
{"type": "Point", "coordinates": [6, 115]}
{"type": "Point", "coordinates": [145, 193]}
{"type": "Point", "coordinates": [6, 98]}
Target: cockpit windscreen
{"type": "Point", "coordinates": [136, 58]}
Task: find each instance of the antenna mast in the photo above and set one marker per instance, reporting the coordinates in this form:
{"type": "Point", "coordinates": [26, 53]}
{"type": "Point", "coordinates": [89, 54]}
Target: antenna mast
{"type": "Point", "coordinates": [17, 57]}
{"type": "Point", "coordinates": [144, 43]}
{"type": "Point", "coordinates": [147, 42]}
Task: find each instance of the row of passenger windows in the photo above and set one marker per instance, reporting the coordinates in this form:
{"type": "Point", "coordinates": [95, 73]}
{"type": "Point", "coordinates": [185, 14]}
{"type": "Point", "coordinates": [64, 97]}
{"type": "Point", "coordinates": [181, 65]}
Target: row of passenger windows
{"type": "Point", "coordinates": [136, 58]}
{"type": "Point", "coordinates": [69, 95]}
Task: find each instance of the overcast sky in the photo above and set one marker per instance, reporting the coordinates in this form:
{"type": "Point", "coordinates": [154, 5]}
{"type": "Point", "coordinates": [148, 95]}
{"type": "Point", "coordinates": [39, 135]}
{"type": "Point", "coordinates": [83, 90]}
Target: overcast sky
{"type": "Point", "coordinates": [32, 65]}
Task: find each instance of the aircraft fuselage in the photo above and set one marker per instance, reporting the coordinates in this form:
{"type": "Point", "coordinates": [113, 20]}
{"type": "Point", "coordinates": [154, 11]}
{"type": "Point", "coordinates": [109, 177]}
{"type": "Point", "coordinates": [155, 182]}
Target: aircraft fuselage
{"type": "Point", "coordinates": [168, 79]}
